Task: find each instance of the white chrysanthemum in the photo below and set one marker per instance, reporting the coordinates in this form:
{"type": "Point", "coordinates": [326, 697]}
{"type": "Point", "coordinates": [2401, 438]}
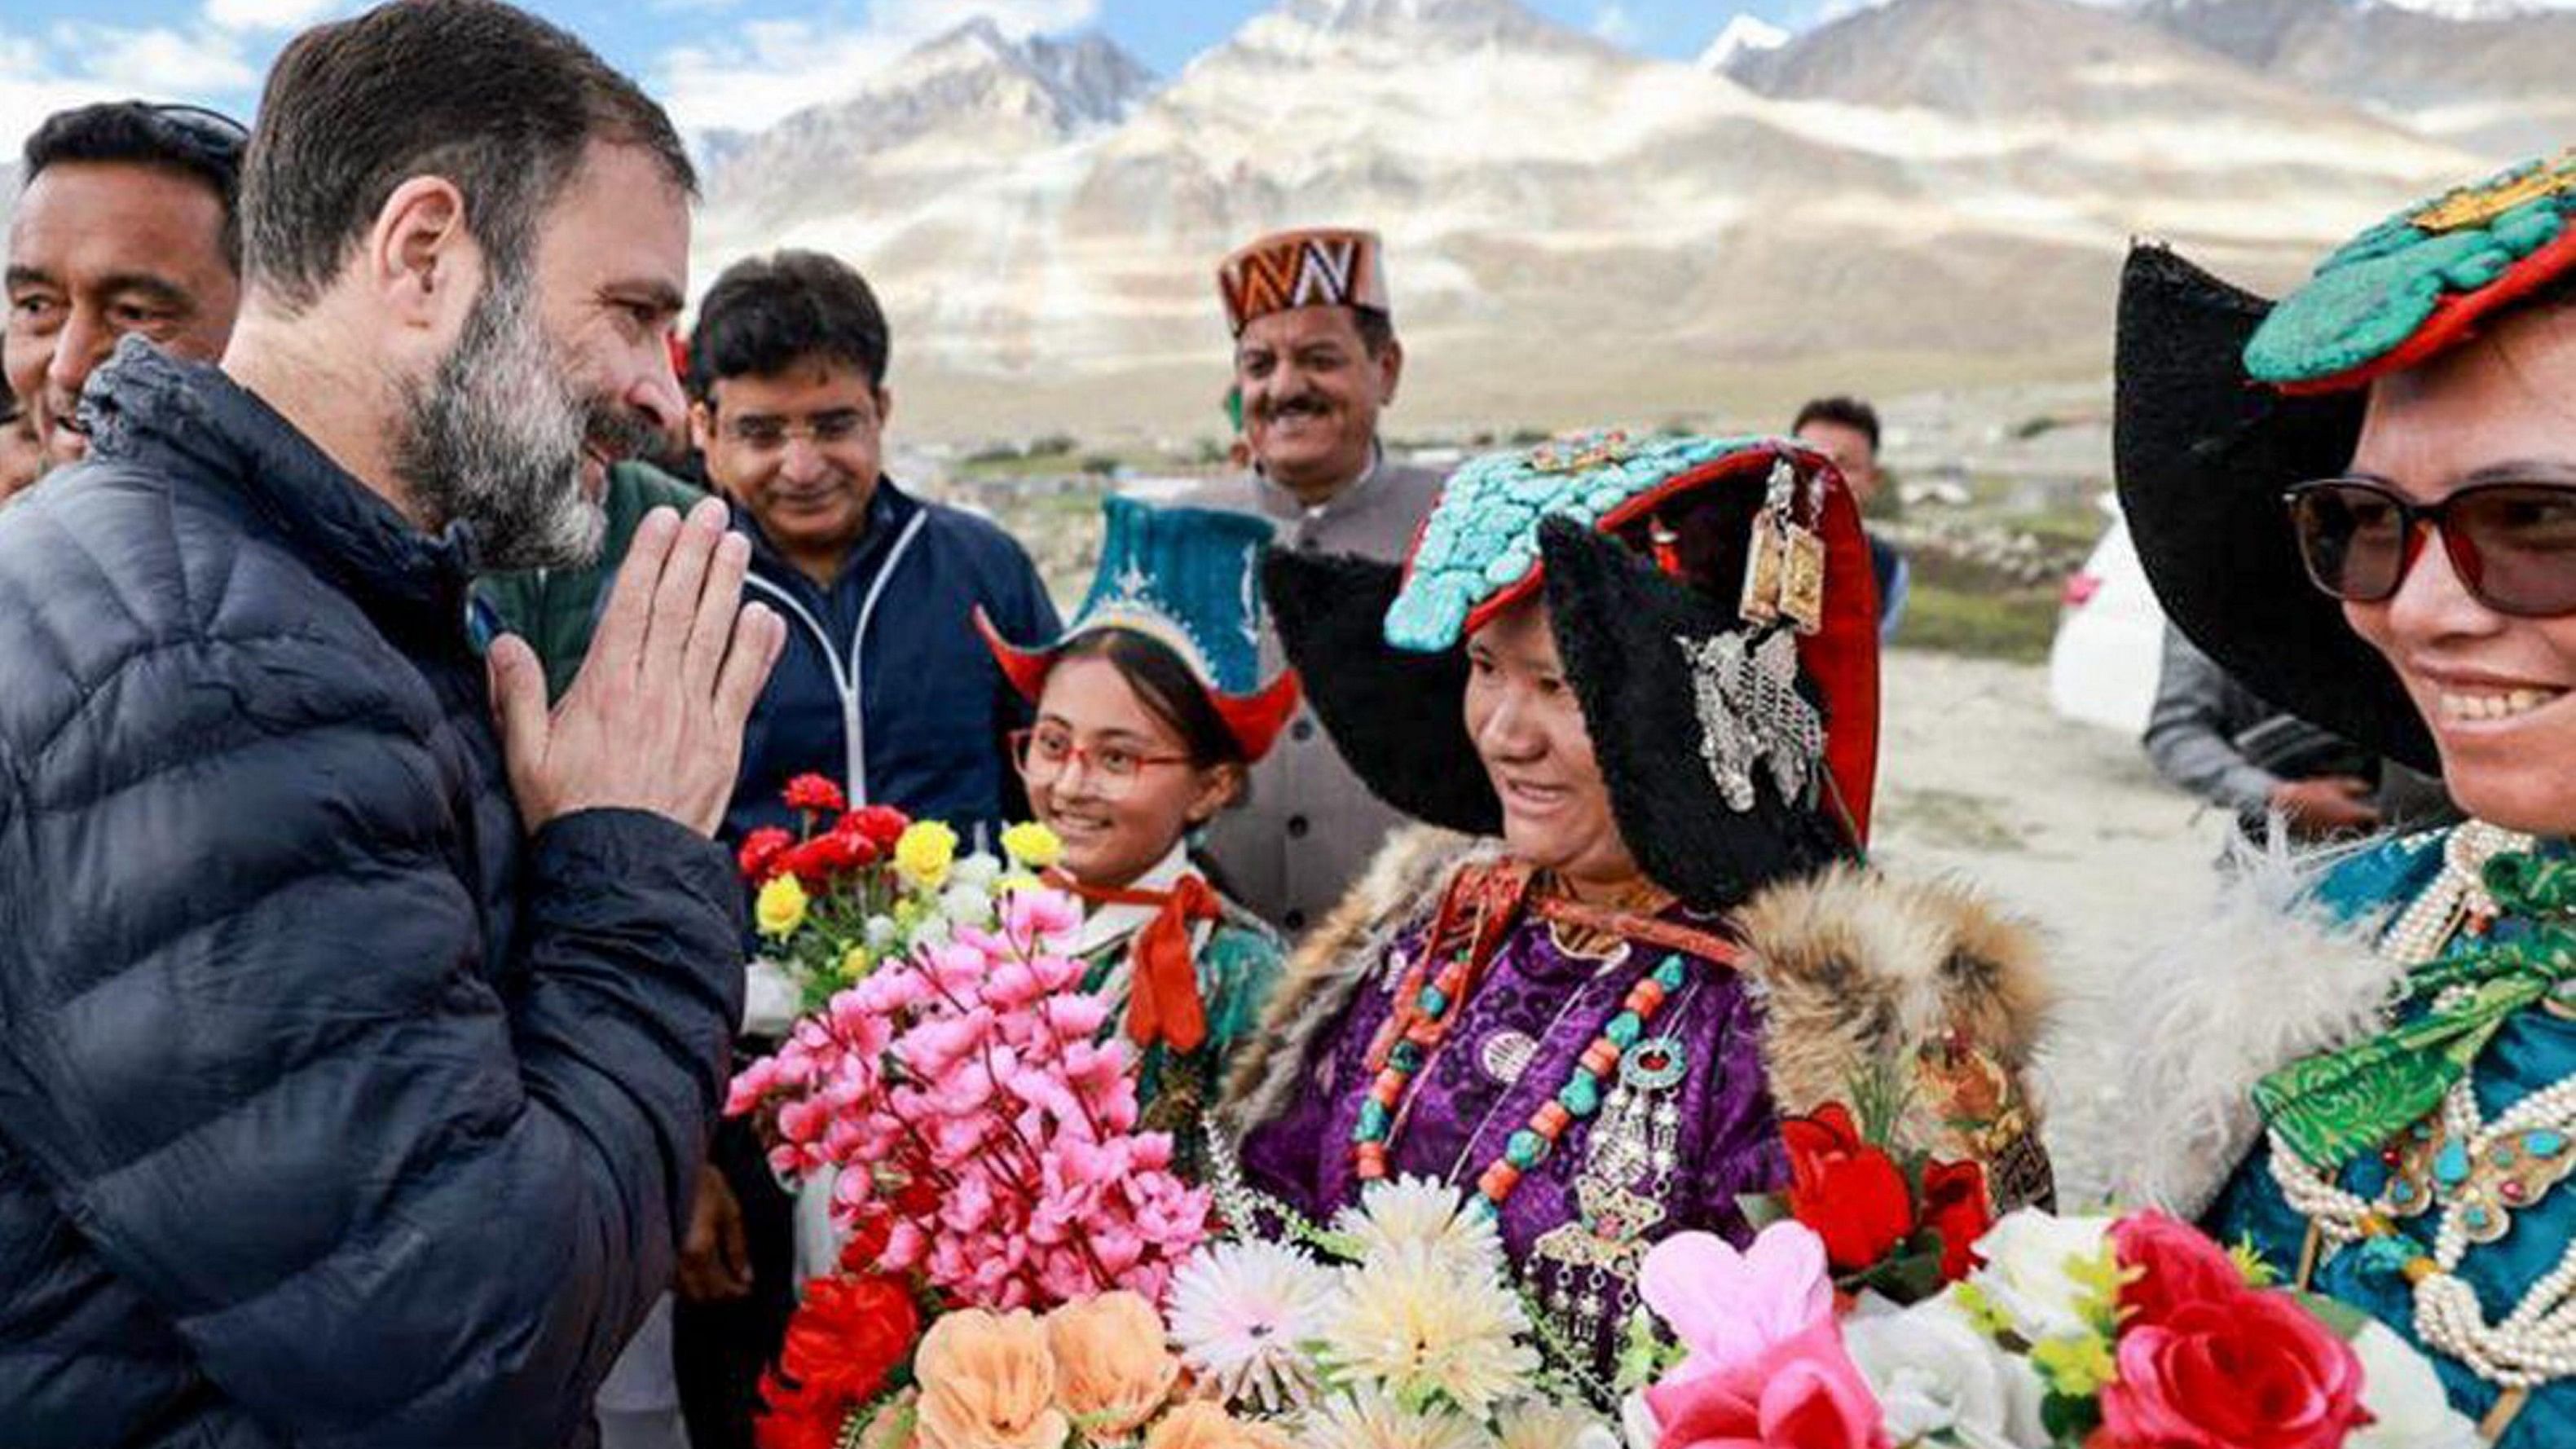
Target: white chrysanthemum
{"type": "Point", "coordinates": [1241, 1314]}
{"type": "Point", "coordinates": [1409, 1323]}
{"type": "Point", "coordinates": [1366, 1419]}
{"type": "Point", "coordinates": [1540, 1424]}
{"type": "Point", "coordinates": [1419, 1211]}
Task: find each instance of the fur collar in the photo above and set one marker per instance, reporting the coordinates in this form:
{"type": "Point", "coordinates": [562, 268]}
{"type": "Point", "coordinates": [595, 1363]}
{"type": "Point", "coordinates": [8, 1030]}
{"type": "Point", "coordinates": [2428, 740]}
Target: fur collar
{"type": "Point", "coordinates": [1854, 968]}
{"type": "Point", "coordinates": [2152, 1080]}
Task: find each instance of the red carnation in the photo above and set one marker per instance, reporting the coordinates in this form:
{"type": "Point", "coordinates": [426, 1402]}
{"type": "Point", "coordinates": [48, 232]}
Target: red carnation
{"type": "Point", "coordinates": [1852, 1193]}
{"type": "Point", "coordinates": [855, 846]}
{"type": "Point", "coordinates": [1955, 1203]}
{"type": "Point", "coordinates": [882, 824]}
{"type": "Point", "coordinates": [819, 859]}
{"type": "Point", "coordinates": [815, 793]}
{"type": "Point", "coordinates": [760, 852]}
{"type": "Point", "coordinates": [842, 1350]}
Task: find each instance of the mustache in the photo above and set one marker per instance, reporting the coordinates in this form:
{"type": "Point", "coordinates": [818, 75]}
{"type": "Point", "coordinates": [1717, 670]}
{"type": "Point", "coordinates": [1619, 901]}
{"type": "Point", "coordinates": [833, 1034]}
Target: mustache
{"type": "Point", "coordinates": [1304, 402]}
{"type": "Point", "coordinates": [618, 432]}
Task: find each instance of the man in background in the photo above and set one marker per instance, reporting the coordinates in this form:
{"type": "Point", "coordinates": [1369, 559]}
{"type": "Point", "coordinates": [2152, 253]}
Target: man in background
{"type": "Point", "coordinates": [1845, 429]}
{"type": "Point", "coordinates": [884, 687]}
{"type": "Point", "coordinates": [1316, 362]}
{"type": "Point", "coordinates": [125, 224]}
{"type": "Point", "coordinates": [2209, 735]}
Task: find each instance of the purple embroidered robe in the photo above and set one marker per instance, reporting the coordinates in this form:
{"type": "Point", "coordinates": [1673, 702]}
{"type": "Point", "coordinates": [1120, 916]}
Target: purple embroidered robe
{"type": "Point", "coordinates": [1654, 1160]}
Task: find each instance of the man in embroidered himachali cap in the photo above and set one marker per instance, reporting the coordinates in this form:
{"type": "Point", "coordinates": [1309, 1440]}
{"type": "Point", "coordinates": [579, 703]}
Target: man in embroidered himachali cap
{"type": "Point", "coordinates": [2365, 498]}
{"type": "Point", "coordinates": [1315, 361]}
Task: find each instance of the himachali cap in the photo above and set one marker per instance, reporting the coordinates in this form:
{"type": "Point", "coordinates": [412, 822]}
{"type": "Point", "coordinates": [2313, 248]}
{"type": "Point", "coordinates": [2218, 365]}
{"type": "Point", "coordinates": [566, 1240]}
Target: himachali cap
{"type": "Point", "coordinates": [2225, 400]}
{"type": "Point", "coordinates": [1590, 524]}
{"type": "Point", "coordinates": [1185, 578]}
{"type": "Point", "coordinates": [1307, 267]}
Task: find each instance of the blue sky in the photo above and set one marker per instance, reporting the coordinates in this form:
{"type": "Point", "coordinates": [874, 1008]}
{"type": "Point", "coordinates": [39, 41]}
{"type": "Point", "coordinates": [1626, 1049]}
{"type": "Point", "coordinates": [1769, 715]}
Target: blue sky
{"type": "Point", "coordinates": [713, 61]}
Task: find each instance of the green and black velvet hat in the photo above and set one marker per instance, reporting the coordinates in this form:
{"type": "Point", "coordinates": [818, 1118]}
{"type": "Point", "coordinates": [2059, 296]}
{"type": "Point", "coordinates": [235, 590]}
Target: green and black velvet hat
{"type": "Point", "coordinates": [2225, 400]}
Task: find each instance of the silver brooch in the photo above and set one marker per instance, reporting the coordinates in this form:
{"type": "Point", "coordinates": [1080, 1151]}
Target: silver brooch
{"type": "Point", "coordinates": [1751, 713]}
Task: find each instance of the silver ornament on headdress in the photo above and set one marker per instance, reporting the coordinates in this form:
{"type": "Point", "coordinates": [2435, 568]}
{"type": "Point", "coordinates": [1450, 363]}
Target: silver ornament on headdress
{"type": "Point", "coordinates": [1751, 714]}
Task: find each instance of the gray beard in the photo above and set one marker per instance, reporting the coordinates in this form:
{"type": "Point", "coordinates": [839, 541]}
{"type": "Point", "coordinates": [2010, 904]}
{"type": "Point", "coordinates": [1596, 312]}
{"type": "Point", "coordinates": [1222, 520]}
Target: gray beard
{"type": "Point", "coordinates": [494, 439]}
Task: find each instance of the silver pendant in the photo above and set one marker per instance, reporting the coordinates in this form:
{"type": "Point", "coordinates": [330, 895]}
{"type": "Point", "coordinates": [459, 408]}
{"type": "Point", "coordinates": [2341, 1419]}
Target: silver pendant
{"type": "Point", "coordinates": [1751, 714]}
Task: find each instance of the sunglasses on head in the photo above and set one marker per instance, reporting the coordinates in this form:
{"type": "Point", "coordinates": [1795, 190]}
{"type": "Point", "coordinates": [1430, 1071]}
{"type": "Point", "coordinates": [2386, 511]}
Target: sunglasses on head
{"type": "Point", "coordinates": [2513, 544]}
{"type": "Point", "coordinates": [209, 132]}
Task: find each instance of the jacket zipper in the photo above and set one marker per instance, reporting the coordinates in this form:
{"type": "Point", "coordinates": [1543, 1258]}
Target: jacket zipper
{"type": "Point", "coordinates": [851, 678]}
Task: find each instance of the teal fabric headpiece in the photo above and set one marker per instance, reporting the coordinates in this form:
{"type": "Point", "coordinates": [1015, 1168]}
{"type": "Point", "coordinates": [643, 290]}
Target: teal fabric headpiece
{"type": "Point", "coordinates": [1187, 578]}
{"type": "Point", "coordinates": [1480, 545]}
{"type": "Point", "coordinates": [2413, 285]}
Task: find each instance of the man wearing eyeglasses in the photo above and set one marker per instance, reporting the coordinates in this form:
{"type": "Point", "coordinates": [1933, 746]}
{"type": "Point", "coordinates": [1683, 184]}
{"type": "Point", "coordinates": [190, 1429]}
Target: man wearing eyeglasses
{"type": "Point", "coordinates": [883, 686]}
{"type": "Point", "coordinates": [126, 225]}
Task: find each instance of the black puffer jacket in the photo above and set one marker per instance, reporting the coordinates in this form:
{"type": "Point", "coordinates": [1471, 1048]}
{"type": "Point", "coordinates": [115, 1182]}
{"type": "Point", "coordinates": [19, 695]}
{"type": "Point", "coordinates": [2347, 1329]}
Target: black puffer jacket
{"type": "Point", "coordinates": [333, 1109]}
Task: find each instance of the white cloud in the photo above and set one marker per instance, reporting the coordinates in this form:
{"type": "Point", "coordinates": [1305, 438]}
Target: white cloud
{"type": "Point", "coordinates": [76, 63]}
{"type": "Point", "coordinates": [267, 14]}
{"type": "Point", "coordinates": [164, 64]}
{"type": "Point", "coordinates": [766, 70]}
{"type": "Point", "coordinates": [1614, 24]}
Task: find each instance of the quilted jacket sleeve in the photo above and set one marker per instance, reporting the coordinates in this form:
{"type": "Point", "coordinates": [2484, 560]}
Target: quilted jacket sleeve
{"type": "Point", "coordinates": [249, 1043]}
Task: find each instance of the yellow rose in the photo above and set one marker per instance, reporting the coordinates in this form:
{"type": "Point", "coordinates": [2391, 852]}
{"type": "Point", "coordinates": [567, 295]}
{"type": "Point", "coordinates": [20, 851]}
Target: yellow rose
{"type": "Point", "coordinates": [1199, 1424]}
{"type": "Point", "coordinates": [987, 1382]}
{"type": "Point", "coordinates": [855, 963]}
{"type": "Point", "coordinates": [1032, 845]}
{"type": "Point", "coordinates": [925, 852]}
{"type": "Point", "coordinates": [781, 908]}
{"type": "Point", "coordinates": [1111, 1371]}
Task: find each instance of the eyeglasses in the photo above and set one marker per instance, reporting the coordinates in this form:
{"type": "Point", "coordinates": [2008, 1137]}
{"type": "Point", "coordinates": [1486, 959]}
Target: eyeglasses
{"type": "Point", "coordinates": [2512, 544]}
{"type": "Point", "coordinates": [1046, 752]}
{"type": "Point", "coordinates": [823, 429]}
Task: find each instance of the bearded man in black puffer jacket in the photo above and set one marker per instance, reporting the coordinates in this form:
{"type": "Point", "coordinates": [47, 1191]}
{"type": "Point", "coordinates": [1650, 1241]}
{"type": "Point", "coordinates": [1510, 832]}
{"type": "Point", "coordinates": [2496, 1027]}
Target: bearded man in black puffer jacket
{"type": "Point", "coordinates": [356, 1055]}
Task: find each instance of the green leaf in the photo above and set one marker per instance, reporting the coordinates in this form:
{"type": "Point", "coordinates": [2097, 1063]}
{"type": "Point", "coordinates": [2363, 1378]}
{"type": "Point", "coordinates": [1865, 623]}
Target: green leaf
{"type": "Point", "coordinates": [1762, 1209]}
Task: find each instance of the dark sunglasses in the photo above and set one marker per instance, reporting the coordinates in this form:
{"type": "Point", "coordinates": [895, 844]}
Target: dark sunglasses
{"type": "Point", "coordinates": [2512, 544]}
{"type": "Point", "coordinates": [210, 133]}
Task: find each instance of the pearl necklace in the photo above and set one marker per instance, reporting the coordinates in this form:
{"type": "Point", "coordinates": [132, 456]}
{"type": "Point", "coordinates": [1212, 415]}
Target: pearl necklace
{"type": "Point", "coordinates": [2534, 1343]}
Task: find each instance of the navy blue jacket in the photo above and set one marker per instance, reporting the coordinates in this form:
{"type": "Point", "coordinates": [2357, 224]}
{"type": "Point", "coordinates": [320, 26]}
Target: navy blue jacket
{"type": "Point", "coordinates": [334, 1109]}
{"type": "Point", "coordinates": [884, 686]}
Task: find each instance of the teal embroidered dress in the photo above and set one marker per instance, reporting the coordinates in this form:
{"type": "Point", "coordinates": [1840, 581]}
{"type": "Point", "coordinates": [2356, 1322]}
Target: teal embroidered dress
{"type": "Point", "coordinates": [1240, 960]}
{"type": "Point", "coordinates": [2500, 1185]}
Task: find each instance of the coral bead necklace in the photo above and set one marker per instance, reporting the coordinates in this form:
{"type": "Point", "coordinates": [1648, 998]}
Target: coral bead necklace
{"type": "Point", "coordinates": [1436, 1006]}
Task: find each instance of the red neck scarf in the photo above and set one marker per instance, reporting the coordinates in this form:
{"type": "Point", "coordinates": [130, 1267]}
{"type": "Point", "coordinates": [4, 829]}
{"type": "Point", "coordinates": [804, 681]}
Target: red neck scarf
{"type": "Point", "coordinates": [1163, 987]}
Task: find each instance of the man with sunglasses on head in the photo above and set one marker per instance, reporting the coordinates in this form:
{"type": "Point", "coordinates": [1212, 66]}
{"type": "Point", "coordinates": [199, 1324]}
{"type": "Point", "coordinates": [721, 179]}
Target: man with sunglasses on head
{"type": "Point", "coordinates": [2362, 501]}
{"type": "Point", "coordinates": [125, 225]}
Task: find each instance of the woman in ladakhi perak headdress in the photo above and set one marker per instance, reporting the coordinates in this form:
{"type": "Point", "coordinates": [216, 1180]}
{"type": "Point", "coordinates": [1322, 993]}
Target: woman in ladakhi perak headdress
{"type": "Point", "coordinates": [1635, 685]}
{"type": "Point", "coordinates": [2363, 500]}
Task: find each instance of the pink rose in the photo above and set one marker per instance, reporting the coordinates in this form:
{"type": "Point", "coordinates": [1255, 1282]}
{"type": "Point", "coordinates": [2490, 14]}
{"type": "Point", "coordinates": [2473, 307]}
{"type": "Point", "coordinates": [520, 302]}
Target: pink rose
{"type": "Point", "coordinates": [2245, 1371]}
{"type": "Point", "coordinates": [1803, 1392]}
{"type": "Point", "coordinates": [2175, 1264]}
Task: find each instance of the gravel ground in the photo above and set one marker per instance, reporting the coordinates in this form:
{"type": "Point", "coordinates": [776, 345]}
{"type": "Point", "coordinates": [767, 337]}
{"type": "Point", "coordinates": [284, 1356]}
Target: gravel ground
{"type": "Point", "coordinates": [2061, 821]}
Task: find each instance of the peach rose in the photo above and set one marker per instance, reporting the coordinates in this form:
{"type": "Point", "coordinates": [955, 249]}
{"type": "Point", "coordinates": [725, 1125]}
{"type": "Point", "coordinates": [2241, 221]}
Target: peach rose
{"type": "Point", "coordinates": [1199, 1424]}
{"type": "Point", "coordinates": [987, 1382]}
{"type": "Point", "coordinates": [1111, 1370]}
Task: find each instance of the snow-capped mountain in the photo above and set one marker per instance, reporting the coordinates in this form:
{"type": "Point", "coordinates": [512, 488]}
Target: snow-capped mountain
{"type": "Point", "coordinates": [1742, 36]}
{"type": "Point", "coordinates": [1917, 188]}
{"type": "Point", "coordinates": [955, 107]}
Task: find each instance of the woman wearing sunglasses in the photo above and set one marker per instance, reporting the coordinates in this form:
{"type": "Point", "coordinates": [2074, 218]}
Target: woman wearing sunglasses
{"type": "Point", "coordinates": [1149, 712]}
{"type": "Point", "coordinates": [2363, 501]}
